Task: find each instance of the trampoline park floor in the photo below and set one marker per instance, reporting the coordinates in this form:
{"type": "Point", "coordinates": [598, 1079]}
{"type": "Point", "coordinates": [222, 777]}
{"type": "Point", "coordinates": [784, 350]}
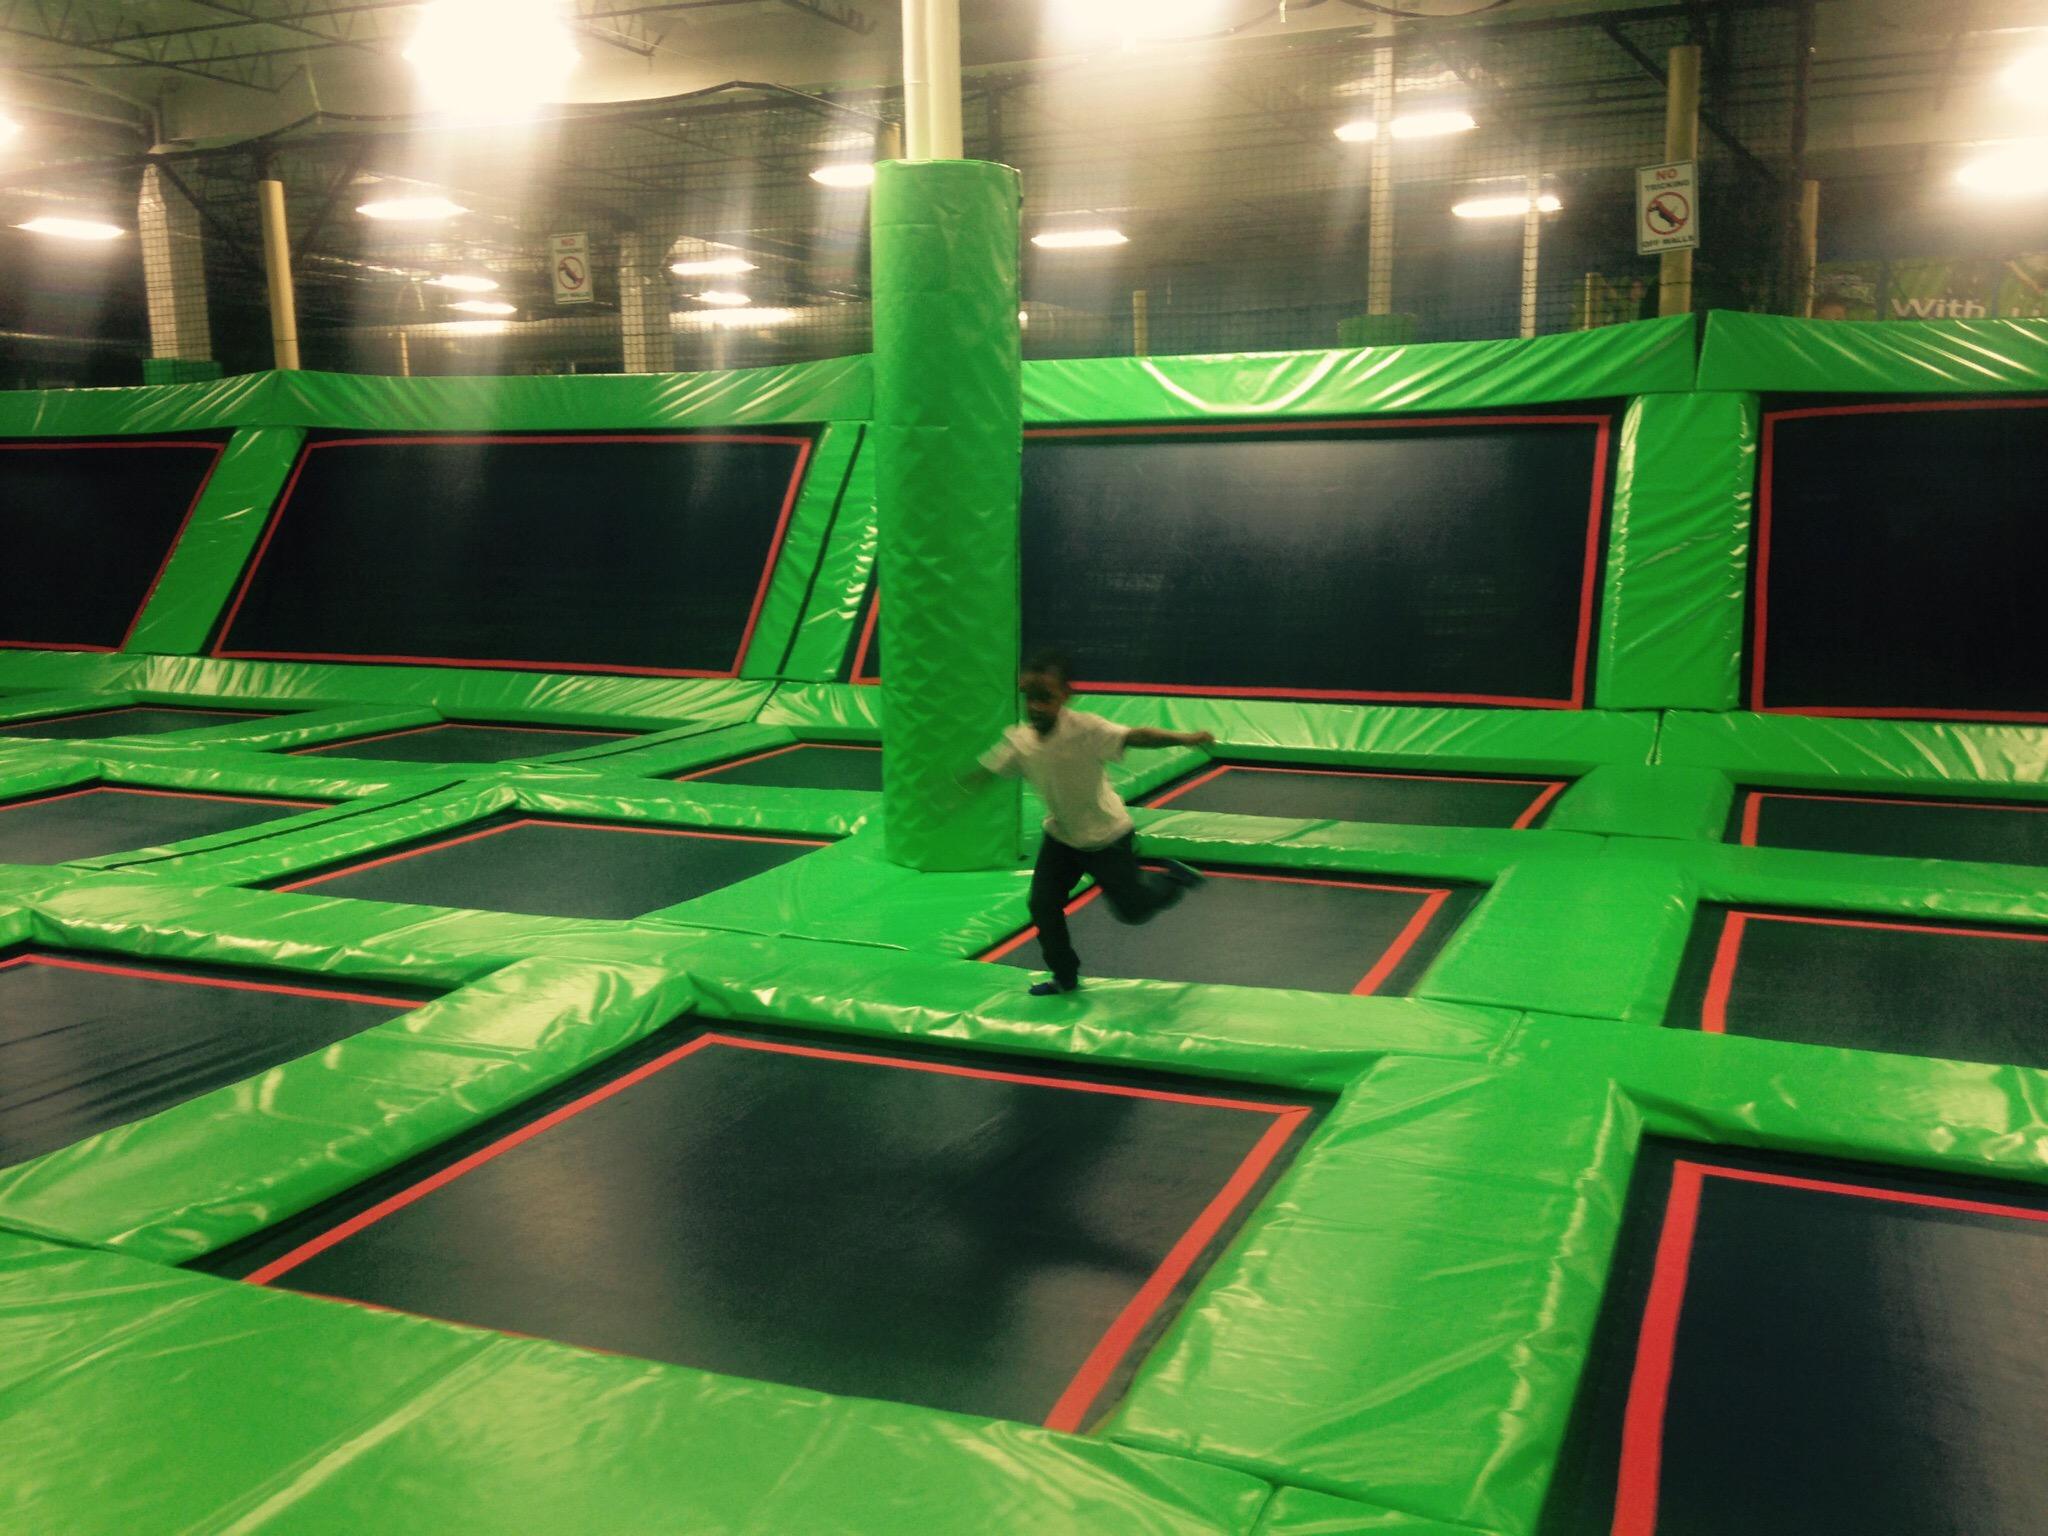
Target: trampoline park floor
{"type": "Point", "coordinates": [1259, 929]}
{"type": "Point", "coordinates": [807, 765]}
{"type": "Point", "coordinates": [1794, 1347]}
{"type": "Point", "coordinates": [1834, 979]}
{"type": "Point", "coordinates": [935, 1228]}
{"type": "Point", "coordinates": [1995, 832]}
{"type": "Point", "coordinates": [463, 742]}
{"type": "Point", "coordinates": [550, 867]}
{"type": "Point", "coordinates": [1347, 794]}
{"type": "Point", "coordinates": [129, 720]}
{"type": "Point", "coordinates": [101, 819]}
{"type": "Point", "coordinates": [89, 1042]}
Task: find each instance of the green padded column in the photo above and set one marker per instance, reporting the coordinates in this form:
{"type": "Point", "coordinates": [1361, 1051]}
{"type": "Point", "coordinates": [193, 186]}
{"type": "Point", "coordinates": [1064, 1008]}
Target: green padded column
{"type": "Point", "coordinates": [948, 439]}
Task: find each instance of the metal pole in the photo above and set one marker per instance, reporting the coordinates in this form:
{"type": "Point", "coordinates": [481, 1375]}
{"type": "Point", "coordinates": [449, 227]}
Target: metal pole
{"type": "Point", "coordinates": [1809, 243]}
{"type": "Point", "coordinates": [277, 267]}
{"type": "Point", "coordinates": [1532, 244]}
{"type": "Point", "coordinates": [942, 78]}
{"type": "Point", "coordinates": [917, 91]}
{"type": "Point", "coordinates": [1379, 208]}
{"type": "Point", "coordinates": [1141, 323]}
{"type": "Point", "coordinates": [1681, 142]}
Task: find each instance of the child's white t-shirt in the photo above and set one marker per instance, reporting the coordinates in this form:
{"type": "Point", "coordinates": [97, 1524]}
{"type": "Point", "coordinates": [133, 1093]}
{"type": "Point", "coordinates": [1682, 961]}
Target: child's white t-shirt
{"type": "Point", "coordinates": [1065, 767]}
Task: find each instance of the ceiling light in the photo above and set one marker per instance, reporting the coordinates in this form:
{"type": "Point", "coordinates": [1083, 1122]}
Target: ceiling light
{"type": "Point", "coordinates": [856, 174]}
{"type": "Point", "coordinates": [1132, 21]}
{"type": "Point", "coordinates": [8, 129]}
{"type": "Point", "coordinates": [715, 266]}
{"type": "Point", "coordinates": [463, 284]}
{"type": "Point", "coordinates": [1079, 239]}
{"type": "Point", "coordinates": [1411, 125]}
{"type": "Point", "coordinates": [485, 307]}
{"type": "Point", "coordinates": [492, 57]}
{"type": "Point", "coordinates": [1503, 207]}
{"type": "Point", "coordinates": [723, 298]}
{"type": "Point", "coordinates": [736, 317]}
{"type": "Point", "coordinates": [72, 229]}
{"type": "Point", "coordinates": [2027, 75]}
{"type": "Point", "coordinates": [1023, 319]}
{"type": "Point", "coordinates": [411, 210]}
{"type": "Point", "coordinates": [1433, 125]}
{"type": "Point", "coordinates": [472, 328]}
{"type": "Point", "coordinates": [2008, 172]}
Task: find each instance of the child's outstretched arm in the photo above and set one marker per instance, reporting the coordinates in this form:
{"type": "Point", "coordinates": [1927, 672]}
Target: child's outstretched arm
{"type": "Point", "coordinates": [1146, 736]}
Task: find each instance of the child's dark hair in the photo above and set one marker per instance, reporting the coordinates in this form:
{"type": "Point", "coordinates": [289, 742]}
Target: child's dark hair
{"type": "Point", "coordinates": [1051, 664]}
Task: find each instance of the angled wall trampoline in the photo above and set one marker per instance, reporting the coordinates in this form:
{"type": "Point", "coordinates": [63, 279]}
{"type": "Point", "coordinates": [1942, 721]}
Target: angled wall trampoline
{"type": "Point", "coordinates": [452, 985]}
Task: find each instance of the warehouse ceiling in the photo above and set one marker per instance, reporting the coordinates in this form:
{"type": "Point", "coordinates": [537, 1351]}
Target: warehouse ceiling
{"type": "Point", "coordinates": [77, 73]}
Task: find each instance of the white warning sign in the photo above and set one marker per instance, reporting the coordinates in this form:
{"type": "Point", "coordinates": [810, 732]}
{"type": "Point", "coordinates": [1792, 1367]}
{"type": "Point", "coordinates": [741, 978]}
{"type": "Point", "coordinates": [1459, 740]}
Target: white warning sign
{"type": "Point", "coordinates": [569, 256]}
{"type": "Point", "coordinates": [1667, 208]}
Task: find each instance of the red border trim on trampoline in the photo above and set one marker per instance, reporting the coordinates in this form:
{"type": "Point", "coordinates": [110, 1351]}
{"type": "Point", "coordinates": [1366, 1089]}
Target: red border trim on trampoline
{"type": "Point", "coordinates": [804, 446]}
{"type": "Point", "coordinates": [1727, 950]}
{"type": "Point", "coordinates": [1368, 984]}
{"type": "Point", "coordinates": [160, 794]}
{"type": "Point", "coordinates": [1071, 1408]}
{"type": "Point", "coordinates": [545, 821]}
{"type": "Point", "coordinates": [1551, 788]}
{"type": "Point", "coordinates": [1642, 1435]}
{"type": "Point", "coordinates": [1589, 586]}
{"type": "Point", "coordinates": [761, 757]}
{"type": "Point", "coordinates": [1760, 594]}
{"type": "Point", "coordinates": [136, 973]}
{"type": "Point", "coordinates": [219, 452]}
{"type": "Point", "coordinates": [1752, 806]}
{"type": "Point", "coordinates": [462, 725]}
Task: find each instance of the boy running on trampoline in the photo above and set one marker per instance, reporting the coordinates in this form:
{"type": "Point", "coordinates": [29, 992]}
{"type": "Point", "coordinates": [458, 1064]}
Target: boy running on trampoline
{"type": "Point", "coordinates": [1060, 751]}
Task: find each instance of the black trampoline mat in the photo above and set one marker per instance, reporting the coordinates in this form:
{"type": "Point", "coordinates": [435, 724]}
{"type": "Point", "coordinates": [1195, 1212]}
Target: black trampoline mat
{"type": "Point", "coordinates": [112, 818]}
{"type": "Point", "coordinates": [89, 528]}
{"type": "Point", "coordinates": [1909, 988]}
{"type": "Point", "coordinates": [1791, 1347]}
{"type": "Point", "coordinates": [645, 554]}
{"type": "Point", "coordinates": [1898, 551]}
{"type": "Point", "coordinates": [90, 1043]}
{"type": "Point", "coordinates": [546, 867]}
{"type": "Point", "coordinates": [1984, 832]}
{"type": "Point", "coordinates": [1345, 794]}
{"type": "Point", "coordinates": [808, 765]}
{"type": "Point", "coordinates": [129, 720]}
{"type": "Point", "coordinates": [988, 1236]}
{"type": "Point", "coordinates": [457, 743]}
{"type": "Point", "coordinates": [1443, 560]}
{"type": "Point", "coordinates": [1267, 930]}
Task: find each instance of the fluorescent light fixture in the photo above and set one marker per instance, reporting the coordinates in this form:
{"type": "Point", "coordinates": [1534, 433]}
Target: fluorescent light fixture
{"type": "Point", "coordinates": [1433, 125]}
{"type": "Point", "coordinates": [1079, 239]}
{"type": "Point", "coordinates": [723, 298]}
{"type": "Point", "coordinates": [851, 174]}
{"type": "Point", "coordinates": [461, 283]}
{"type": "Point", "coordinates": [2008, 172]}
{"type": "Point", "coordinates": [747, 318]}
{"type": "Point", "coordinates": [492, 58]}
{"type": "Point", "coordinates": [1503, 207]}
{"type": "Point", "coordinates": [2027, 75]}
{"type": "Point", "coordinates": [485, 307]}
{"type": "Point", "coordinates": [714, 266]}
{"type": "Point", "coordinates": [72, 229]}
{"type": "Point", "coordinates": [1410, 125]}
{"type": "Point", "coordinates": [411, 210]}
